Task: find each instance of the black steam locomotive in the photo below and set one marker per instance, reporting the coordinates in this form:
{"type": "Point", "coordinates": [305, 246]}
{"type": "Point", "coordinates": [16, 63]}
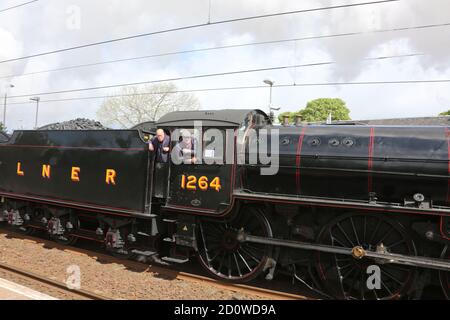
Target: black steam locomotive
{"type": "Point", "coordinates": [355, 212]}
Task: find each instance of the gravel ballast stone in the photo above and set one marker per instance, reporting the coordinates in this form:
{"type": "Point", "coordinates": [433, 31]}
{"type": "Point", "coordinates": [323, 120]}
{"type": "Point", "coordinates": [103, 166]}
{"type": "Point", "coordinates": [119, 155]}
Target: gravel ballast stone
{"type": "Point", "coordinates": [107, 278]}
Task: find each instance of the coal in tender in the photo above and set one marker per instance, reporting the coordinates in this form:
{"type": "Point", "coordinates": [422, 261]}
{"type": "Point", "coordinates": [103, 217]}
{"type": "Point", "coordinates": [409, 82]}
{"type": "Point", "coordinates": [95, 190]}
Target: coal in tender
{"type": "Point", "coordinates": [76, 124]}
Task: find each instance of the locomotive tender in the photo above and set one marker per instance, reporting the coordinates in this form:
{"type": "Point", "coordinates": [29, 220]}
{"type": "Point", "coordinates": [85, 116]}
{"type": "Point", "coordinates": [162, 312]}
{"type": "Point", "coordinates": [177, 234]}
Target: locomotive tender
{"type": "Point", "coordinates": [343, 199]}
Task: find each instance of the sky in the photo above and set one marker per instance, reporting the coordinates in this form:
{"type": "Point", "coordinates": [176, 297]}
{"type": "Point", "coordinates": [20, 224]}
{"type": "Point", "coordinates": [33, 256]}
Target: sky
{"type": "Point", "coordinates": [48, 25]}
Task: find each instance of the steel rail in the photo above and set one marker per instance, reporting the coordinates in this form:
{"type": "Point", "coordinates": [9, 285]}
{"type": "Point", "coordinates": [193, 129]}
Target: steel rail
{"type": "Point", "coordinates": [52, 283]}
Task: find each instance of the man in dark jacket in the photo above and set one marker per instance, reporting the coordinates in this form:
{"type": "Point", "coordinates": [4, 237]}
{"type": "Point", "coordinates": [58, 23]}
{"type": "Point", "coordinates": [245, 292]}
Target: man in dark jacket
{"type": "Point", "coordinates": [160, 144]}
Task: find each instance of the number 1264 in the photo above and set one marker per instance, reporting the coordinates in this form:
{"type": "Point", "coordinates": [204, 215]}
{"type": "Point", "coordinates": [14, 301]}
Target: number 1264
{"type": "Point", "coordinates": [202, 183]}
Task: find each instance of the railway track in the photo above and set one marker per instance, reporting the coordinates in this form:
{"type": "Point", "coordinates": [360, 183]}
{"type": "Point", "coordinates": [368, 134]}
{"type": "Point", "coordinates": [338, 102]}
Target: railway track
{"type": "Point", "coordinates": [163, 272]}
{"type": "Point", "coordinates": [47, 285]}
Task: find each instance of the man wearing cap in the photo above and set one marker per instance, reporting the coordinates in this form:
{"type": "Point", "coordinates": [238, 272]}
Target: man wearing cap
{"type": "Point", "coordinates": [184, 151]}
{"type": "Point", "coordinates": [160, 143]}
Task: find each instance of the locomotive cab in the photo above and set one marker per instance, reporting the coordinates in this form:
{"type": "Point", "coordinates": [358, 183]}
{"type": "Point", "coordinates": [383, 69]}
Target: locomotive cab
{"type": "Point", "coordinates": [204, 186]}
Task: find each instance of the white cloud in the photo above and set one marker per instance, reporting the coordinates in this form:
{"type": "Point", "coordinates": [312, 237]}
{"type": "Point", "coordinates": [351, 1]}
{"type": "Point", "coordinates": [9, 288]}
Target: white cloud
{"type": "Point", "coordinates": [40, 27]}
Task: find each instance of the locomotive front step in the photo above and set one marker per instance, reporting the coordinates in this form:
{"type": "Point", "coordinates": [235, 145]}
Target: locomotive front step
{"type": "Point", "coordinates": [175, 260]}
{"type": "Point", "coordinates": [144, 253]}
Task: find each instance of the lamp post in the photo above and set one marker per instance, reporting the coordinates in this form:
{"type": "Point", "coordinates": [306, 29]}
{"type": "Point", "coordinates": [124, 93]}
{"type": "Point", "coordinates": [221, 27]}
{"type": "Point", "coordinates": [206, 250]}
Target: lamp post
{"type": "Point", "coordinates": [37, 99]}
{"type": "Point", "coordinates": [271, 114]}
{"type": "Point", "coordinates": [4, 104]}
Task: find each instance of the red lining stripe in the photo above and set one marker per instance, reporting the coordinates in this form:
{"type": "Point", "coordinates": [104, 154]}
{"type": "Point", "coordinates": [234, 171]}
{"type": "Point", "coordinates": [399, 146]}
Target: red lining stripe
{"type": "Point", "coordinates": [298, 159]}
{"type": "Point", "coordinates": [441, 227]}
{"type": "Point", "coordinates": [370, 160]}
{"type": "Point", "coordinates": [343, 206]}
{"type": "Point", "coordinates": [447, 135]}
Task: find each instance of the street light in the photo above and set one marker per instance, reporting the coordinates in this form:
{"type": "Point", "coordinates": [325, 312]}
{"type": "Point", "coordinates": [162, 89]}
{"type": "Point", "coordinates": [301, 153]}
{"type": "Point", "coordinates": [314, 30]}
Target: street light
{"type": "Point", "coordinates": [271, 114]}
{"type": "Point", "coordinates": [4, 104]}
{"type": "Point", "coordinates": [37, 99]}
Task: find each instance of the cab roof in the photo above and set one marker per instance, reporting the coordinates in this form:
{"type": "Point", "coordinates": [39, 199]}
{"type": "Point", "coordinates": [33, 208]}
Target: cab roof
{"type": "Point", "coordinates": [210, 118]}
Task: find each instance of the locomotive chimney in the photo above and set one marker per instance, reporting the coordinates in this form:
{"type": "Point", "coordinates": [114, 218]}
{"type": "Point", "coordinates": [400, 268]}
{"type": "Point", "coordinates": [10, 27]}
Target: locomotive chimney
{"type": "Point", "coordinates": [298, 120]}
{"type": "Point", "coordinates": [285, 120]}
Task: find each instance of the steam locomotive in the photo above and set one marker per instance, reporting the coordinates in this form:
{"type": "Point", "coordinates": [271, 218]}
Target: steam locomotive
{"type": "Point", "coordinates": [351, 211]}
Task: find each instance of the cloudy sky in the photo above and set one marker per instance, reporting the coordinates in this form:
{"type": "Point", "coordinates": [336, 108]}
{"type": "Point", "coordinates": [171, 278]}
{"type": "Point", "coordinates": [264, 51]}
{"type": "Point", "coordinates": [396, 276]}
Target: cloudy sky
{"type": "Point", "coordinates": [47, 25]}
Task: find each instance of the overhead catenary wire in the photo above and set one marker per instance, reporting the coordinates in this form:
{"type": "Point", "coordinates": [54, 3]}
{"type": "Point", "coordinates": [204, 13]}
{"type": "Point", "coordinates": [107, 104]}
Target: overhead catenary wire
{"type": "Point", "coordinates": [194, 26]}
{"type": "Point", "coordinates": [199, 76]}
{"type": "Point", "coordinates": [426, 26]}
{"type": "Point", "coordinates": [291, 85]}
{"type": "Point", "coordinates": [17, 6]}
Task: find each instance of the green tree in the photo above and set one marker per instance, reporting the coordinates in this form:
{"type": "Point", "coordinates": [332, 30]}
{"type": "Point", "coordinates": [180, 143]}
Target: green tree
{"type": "Point", "coordinates": [445, 113]}
{"type": "Point", "coordinates": [287, 113]}
{"type": "Point", "coordinates": [2, 127]}
{"type": "Point", "coordinates": [319, 109]}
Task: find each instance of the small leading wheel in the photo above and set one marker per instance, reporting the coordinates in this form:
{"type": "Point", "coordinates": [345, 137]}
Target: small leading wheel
{"type": "Point", "coordinates": [66, 238]}
{"type": "Point", "coordinates": [444, 276]}
{"type": "Point", "coordinates": [23, 218]}
{"type": "Point", "coordinates": [347, 277]}
{"type": "Point", "coordinates": [223, 256]}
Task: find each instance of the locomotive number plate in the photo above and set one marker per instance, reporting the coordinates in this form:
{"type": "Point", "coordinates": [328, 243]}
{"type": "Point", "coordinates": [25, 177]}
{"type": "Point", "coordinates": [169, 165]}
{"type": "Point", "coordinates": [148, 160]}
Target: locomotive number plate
{"type": "Point", "coordinates": [193, 183]}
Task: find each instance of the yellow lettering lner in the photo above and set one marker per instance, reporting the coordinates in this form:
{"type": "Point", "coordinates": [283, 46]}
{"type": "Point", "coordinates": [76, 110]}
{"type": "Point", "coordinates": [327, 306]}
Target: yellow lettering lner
{"type": "Point", "coordinates": [111, 176]}
{"type": "Point", "coordinates": [75, 174]}
{"type": "Point", "coordinates": [19, 170]}
{"type": "Point", "coordinates": [46, 171]}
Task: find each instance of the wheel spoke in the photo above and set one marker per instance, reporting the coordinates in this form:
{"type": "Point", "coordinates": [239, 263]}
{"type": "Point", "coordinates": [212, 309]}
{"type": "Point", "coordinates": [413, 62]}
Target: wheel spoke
{"type": "Point", "coordinates": [396, 244]}
{"type": "Point", "coordinates": [376, 294]}
{"type": "Point", "coordinates": [345, 234]}
{"type": "Point", "coordinates": [386, 235]}
{"type": "Point", "coordinates": [391, 276]}
{"type": "Point", "coordinates": [252, 226]}
{"type": "Point", "coordinates": [386, 287]}
{"type": "Point", "coordinates": [338, 241]}
{"type": "Point", "coordinates": [221, 262]}
{"type": "Point", "coordinates": [347, 273]}
{"type": "Point", "coordinates": [237, 265]}
{"type": "Point", "coordinates": [365, 229]}
{"type": "Point", "coordinates": [243, 222]}
{"type": "Point", "coordinates": [346, 266]}
{"type": "Point", "coordinates": [219, 229]}
{"type": "Point", "coordinates": [398, 267]}
{"type": "Point", "coordinates": [362, 286]}
{"type": "Point", "coordinates": [250, 255]}
{"type": "Point", "coordinates": [354, 231]}
{"type": "Point", "coordinates": [352, 286]}
{"type": "Point", "coordinates": [245, 262]}
{"type": "Point", "coordinates": [375, 231]}
{"type": "Point", "coordinates": [212, 234]}
{"type": "Point", "coordinates": [213, 246]}
{"type": "Point", "coordinates": [249, 246]}
{"type": "Point", "coordinates": [215, 256]}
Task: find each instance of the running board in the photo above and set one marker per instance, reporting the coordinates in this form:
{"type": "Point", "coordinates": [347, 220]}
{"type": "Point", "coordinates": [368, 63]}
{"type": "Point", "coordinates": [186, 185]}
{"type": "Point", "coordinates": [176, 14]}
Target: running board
{"type": "Point", "coordinates": [357, 252]}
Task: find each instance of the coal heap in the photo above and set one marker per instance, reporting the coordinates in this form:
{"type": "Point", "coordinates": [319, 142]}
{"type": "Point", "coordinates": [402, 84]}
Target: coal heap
{"type": "Point", "coordinates": [76, 124]}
